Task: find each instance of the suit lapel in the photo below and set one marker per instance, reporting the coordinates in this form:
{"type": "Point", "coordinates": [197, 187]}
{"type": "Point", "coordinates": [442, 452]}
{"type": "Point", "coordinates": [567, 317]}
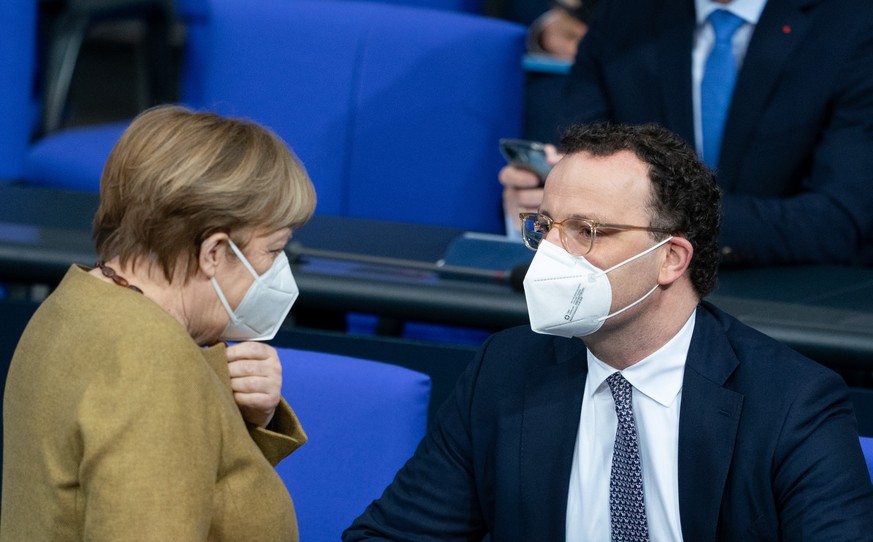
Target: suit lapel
{"type": "Point", "coordinates": [552, 405]}
{"type": "Point", "coordinates": [708, 421]}
{"type": "Point", "coordinates": [675, 36]}
{"type": "Point", "coordinates": [780, 29]}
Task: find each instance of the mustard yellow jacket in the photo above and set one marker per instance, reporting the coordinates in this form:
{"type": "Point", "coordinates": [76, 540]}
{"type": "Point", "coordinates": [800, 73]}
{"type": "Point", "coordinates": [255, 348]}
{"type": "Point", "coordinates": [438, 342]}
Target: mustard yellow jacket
{"type": "Point", "coordinates": [118, 426]}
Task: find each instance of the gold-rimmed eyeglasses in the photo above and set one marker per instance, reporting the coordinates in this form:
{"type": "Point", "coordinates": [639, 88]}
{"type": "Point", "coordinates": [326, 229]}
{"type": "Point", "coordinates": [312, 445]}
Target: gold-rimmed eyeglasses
{"type": "Point", "coordinates": [577, 234]}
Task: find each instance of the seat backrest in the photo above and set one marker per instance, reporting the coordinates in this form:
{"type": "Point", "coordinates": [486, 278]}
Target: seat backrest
{"type": "Point", "coordinates": [867, 448]}
{"type": "Point", "coordinates": [17, 66]}
{"type": "Point", "coordinates": [195, 15]}
{"type": "Point", "coordinates": [395, 111]}
{"type": "Point", "coordinates": [363, 419]}
{"type": "Point", "coordinates": [469, 6]}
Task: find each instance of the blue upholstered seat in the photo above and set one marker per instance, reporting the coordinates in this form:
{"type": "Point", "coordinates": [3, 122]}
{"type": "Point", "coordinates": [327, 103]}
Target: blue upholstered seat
{"type": "Point", "coordinates": [395, 111]}
{"type": "Point", "coordinates": [18, 106]}
{"type": "Point", "coordinates": [469, 6]}
{"type": "Point", "coordinates": [72, 159]}
{"type": "Point", "coordinates": [363, 419]}
{"type": "Point", "coordinates": [867, 447]}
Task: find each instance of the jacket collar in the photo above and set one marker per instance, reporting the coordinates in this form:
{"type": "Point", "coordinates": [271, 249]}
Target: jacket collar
{"type": "Point", "coordinates": [216, 358]}
{"type": "Point", "coordinates": [552, 403]}
{"type": "Point", "coordinates": [708, 421]}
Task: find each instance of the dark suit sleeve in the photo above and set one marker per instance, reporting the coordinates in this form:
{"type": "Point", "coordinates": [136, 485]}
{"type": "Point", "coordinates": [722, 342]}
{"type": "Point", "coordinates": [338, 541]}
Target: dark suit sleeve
{"type": "Point", "coordinates": [833, 214]}
{"type": "Point", "coordinates": [820, 480]}
{"type": "Point", "coordinates": [434, 496]}
{"type": "Point", "coordinates": [520, 11]}
{"type": "Point", "coordinates": [585, 97]}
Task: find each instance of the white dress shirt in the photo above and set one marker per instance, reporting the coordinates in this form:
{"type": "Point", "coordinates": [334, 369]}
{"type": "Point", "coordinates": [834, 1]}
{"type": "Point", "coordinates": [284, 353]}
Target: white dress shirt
{"type": "Point", "coordinates": [657, 394]}
{"type": "Point", "coordinates": [704, 39]}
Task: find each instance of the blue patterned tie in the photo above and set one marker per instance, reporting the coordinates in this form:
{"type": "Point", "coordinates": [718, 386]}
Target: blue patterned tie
{"type": "Point", "coordinates": [627, 505]}
{"type": "Point", "coordinates": [717, 86]}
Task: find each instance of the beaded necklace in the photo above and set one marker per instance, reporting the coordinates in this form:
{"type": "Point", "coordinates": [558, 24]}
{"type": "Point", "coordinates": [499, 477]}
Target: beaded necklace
{"type": "Point", "coordinates": [115, 277]}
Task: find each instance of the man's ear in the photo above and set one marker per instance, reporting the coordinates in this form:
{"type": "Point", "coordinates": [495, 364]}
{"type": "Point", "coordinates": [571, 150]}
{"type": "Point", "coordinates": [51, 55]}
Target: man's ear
{"type": "Point", "coordinates": [677, 260]}
{"type": "Point", "coordinates": [213, 252]}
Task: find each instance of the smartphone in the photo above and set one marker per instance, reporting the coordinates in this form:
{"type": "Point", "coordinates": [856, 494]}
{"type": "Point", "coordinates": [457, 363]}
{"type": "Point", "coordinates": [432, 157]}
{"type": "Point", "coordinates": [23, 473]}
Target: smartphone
{"type": "Point", "coordinates": [527, 155]}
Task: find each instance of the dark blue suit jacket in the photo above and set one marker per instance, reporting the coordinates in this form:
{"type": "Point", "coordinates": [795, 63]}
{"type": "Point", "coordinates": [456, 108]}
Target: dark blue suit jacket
{"type": "Point", "coordinates": [768, 446]}
{"type": "Point", "coordinates": [797, 155]}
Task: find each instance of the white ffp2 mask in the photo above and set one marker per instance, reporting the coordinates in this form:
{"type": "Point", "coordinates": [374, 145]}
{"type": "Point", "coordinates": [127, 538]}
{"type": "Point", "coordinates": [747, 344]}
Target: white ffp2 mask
{"type": "Point", "coordinates": [567, 296]}
{"type": "Point", "coordinates": [266, 303]}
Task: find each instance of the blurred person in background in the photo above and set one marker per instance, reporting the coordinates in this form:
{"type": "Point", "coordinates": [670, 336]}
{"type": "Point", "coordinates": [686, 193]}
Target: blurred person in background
{"type": "Point", "coordinates": [776, 96]}
{"type": "Point", "coordinates": [554, 27]}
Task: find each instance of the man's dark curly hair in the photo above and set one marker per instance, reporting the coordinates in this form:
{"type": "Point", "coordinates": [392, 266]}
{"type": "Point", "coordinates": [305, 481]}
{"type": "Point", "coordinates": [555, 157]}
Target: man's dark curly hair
{"type": "Point", "coordinates": [685, 198]}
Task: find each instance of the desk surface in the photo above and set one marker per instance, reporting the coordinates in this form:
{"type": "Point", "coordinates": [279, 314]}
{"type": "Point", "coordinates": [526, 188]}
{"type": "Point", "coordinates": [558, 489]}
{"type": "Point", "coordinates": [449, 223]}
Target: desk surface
{"type": "Point", "coordinates": [824, 311]}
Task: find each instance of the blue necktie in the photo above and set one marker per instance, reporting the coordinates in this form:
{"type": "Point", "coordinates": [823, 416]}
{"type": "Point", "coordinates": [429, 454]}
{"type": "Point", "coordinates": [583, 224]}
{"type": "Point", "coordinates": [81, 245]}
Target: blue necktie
{"type": "Point", "coordinates": [717, 86]}
{"type": "Point", "coordinates": [627, 504]}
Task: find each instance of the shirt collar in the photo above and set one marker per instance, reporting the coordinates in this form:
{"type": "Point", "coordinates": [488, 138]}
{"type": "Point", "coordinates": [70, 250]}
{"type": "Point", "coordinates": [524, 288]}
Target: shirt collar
{"type": "Point", "coordinates": [749, 10]}
{"type": "Point", "coordinates": [659, 375]}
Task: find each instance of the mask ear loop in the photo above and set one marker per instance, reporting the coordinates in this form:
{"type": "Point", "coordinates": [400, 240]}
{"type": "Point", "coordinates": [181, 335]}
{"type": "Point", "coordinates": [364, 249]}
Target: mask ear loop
{"type": "Point", "coordinates": [640, 255]}
{"type": "Point", "coordinates": [647, 294]}
{"type": "Point", "coordinates": [223, 300]}
{"type": "Point", "coordinates": [243, 259]}
{"type": "Point", "coordinates": [619, 311]}
{"type": "Point", "coordinates": [217, 288]}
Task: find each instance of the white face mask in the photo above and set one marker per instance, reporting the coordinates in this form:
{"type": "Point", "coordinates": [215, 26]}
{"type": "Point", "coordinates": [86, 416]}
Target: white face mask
{"type": "Point", "coordinates": [266, 303]}
{"type": "Point", "coordinates": [567, 296]}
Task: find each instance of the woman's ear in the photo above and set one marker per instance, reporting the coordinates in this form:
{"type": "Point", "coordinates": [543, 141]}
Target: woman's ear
{"type": "Point", "coordinates": [213, 252]}
{"type": "Point", "coordinates": [677, 260]}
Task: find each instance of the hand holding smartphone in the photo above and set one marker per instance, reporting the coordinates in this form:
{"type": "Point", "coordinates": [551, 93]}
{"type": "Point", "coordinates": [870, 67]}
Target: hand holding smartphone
{"type": "Point", "coordinates": [527, 155]}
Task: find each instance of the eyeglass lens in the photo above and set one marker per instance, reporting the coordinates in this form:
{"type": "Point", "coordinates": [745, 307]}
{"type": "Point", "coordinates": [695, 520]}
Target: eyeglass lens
{"type": "Point", "coordinates": [577, 236]}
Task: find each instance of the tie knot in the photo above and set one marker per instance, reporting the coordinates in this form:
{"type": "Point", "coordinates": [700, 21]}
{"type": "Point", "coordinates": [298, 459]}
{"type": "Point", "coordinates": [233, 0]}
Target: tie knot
{"type": "Point", "coordinates": [724, 24]}
{"type": "Point", "coordinates": [621, 389]}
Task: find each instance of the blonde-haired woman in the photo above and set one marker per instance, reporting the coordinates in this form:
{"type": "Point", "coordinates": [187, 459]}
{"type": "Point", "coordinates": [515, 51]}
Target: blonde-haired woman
{"type": "Point", "coordinates": [118, 423]}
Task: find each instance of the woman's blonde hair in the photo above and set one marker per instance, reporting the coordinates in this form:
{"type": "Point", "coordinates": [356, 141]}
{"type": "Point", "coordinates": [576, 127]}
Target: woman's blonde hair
{"type": "Point", "coordinates": [177, 176]}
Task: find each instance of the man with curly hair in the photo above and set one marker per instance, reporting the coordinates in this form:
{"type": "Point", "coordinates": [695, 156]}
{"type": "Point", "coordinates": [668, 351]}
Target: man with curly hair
{"type": "Point", "coordinates": [631, 409]}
